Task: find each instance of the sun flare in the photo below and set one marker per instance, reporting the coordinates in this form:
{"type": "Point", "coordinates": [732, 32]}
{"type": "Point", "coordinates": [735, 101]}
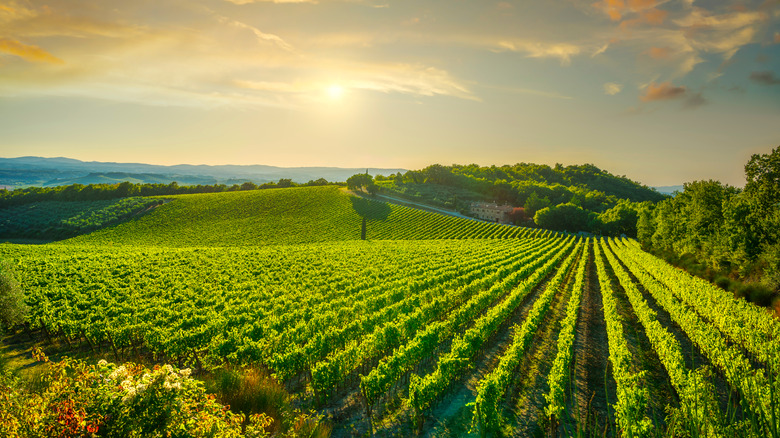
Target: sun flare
{"type": "Point", "coordinates": [335, 91]}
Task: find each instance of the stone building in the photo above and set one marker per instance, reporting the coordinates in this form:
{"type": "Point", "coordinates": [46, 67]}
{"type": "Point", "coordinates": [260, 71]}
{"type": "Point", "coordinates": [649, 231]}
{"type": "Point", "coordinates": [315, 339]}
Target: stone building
{"type": "Point", "coordinates": [492, 212]}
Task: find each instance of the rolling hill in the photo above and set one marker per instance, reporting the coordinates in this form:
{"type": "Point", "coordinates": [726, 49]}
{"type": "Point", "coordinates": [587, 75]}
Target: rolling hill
{"type": "Point", "coordinates": [284, 216]}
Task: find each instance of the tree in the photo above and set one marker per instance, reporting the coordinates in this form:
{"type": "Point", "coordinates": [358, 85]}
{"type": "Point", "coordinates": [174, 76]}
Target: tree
{"type": "Point", "coordinates": [564, 217]}
{"type": "Point", "coordinates": [13, 309]}
{"type": "Point", "coordinates": [620, 219]}
{"type": "Point", "coordinates": [359, 181]}
{"type": "Point", "coordinates": [645, 226]}
{"type": "Point", "coordinates": [534, 203]}
{"type": "Point", "coordinates": [248, 186]}
{"type": "Point", "coordinates": [285, 183]}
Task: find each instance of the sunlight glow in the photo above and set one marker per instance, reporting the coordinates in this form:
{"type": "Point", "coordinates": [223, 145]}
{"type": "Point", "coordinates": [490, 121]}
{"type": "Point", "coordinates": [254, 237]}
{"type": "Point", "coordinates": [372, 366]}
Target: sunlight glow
{"type": "Point", "coordinates": [335, 91]}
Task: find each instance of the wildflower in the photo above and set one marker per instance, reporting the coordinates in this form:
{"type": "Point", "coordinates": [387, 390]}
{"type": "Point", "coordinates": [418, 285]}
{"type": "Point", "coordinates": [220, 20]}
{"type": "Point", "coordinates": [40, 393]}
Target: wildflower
{"type": "Point", "coordinates": [185, 372]}
{"type": "Point", "coordinates": [129, 396]}
{"type": "Point", "coordinates": [118, 373]}
{"type": "Point", "coordinates": [102, 363]}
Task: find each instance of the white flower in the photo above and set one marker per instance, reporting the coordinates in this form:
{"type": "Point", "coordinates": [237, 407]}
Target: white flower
{"type": "Point", "coordinates": [185, 372]}
{"type": "Point", "coordinates": [129, 396]}
{"type": "Point", "coordinates": [102, 363]}
{"type": "Point", "coordinates": [167, 368]}
{"type": "Point", "coordinates": [140, 388]}
{"type": "Point", "coordinates": [118, 373]}
{"type": "Point", "coordinates": [127, 385]}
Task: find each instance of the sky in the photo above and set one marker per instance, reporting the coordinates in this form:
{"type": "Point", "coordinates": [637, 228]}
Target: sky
{"type": "Point", "coordinates": [663, 92]}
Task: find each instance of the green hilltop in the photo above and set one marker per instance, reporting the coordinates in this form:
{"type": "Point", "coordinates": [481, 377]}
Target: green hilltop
{"type": "Point", "coordinates": [284, 216]}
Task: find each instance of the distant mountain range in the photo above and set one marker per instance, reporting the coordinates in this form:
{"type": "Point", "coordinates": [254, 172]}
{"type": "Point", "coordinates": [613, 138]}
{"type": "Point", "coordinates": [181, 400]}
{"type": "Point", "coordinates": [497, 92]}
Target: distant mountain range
{"type": "Point", "coordinates": [47, 172]}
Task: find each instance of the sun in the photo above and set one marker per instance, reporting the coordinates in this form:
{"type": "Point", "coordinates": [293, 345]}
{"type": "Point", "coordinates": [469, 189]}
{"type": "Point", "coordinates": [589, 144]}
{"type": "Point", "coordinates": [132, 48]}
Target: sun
{"type": "Point", "coordinates": [335, 91]}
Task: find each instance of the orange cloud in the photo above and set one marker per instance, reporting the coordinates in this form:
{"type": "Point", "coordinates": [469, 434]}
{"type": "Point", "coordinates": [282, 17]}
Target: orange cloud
{"type": "Point", "coordinates": [777, 37]}
{"type": "Point", "coordinates": [658, 52]}
{"type": "Point", "coordinates": [30, 53]}
{"type": "Point", "coordinates": [654, 16]}
{"type": "Point", "coordinates": [646, 10]}
{"type": "Point", "coordinates": [663, 91]}
{"type": "Point", "coordinates": [613, 8]}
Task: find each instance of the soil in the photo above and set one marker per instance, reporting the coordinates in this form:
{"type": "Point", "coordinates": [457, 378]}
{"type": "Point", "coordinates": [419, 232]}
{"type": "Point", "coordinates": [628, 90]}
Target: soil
{"type": "Point", "coordinates": [527, 394]}
{"type": "Point", "coordinates": [593, 387]}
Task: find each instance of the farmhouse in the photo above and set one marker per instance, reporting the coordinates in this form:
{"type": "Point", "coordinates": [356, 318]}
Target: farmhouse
{"type": "Point", "coordinates": [492, 212]}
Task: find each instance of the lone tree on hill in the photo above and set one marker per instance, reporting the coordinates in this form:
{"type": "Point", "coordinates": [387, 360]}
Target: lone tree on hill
{"type": "Point", "coordinates": [362, 181]}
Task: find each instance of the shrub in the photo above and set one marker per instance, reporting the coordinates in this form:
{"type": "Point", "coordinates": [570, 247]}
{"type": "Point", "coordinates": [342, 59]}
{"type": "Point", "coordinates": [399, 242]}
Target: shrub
{"type": "Point", "coordinates": [723, 282]}
{"type": "Point", "coordinates": [106, 400]}
{"type": "Point", "coordinates": [756, 293]}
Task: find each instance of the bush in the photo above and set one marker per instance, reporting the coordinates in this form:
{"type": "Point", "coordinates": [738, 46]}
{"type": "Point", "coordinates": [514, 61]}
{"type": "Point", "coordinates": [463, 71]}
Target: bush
{"type": "Point", "coordinates": [756, 293]}
{"type": "Point", "coordinates": [106, 400]}
{"type": "Point", "coordinates": [723, 282]}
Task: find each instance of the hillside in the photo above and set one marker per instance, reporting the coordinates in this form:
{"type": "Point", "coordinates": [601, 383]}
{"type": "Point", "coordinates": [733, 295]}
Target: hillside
{"type": "Point", "coordinates": [594, 188]}
{"type": "Point", "coordinates": [284, 216]}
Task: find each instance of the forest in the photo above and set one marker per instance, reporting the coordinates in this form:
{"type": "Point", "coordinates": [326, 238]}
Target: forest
{"type": "Point", "coordinates": [721, 232]}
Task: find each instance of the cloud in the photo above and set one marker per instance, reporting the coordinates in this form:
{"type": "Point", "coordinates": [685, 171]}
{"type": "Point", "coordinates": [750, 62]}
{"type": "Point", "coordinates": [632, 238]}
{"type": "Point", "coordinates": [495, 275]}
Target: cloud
{"type": "Point", "coordinates": [662, 91]}
{"type": "Point", "coordinates": [666, 91]}
{"type": "Point", "coordinates": [694, 100]}
{"type": "Point", "coordinates": [612, 88]}
{"type": "Point", "coordinates": [643, 11]}
{"type": "Point", "coordinates": [27, 52]}
{"type": "Point", "coordinates": [384, 78]}
{"type": "Point", "coordinates": [658, 52]}
{"type": "Point", "coordinates": [777, 37]}
{"type": "Point", "coordinates": [724, 34]}
{"type": "Point", "coordinates": [538, 49]}
{"type": "Point", "coordinates": [764, 78]}
{"type": "Point", "coordinates": [245, 2]}
{"type": "Point", "coordinates": [261, 36]}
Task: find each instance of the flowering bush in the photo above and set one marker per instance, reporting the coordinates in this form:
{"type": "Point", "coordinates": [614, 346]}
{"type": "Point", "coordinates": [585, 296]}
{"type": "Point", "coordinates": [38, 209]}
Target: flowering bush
{"type": "Point", "coordinates": [106, 400]}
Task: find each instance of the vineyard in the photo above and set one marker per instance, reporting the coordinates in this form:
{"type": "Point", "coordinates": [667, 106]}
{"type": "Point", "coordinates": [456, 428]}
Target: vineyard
{"type": "Point", "coordinates": [434, 326]}
{"type": "Point", "coordinates": [285, 216]}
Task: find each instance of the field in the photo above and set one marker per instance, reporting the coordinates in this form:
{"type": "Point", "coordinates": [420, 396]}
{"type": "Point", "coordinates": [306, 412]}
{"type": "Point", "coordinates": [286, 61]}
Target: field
{"type": "Point", "coordinates": [434, 325]}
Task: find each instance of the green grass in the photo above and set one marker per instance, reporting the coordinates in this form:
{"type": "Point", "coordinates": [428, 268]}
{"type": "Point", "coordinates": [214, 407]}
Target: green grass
{"type": "Point", "coordinates": [284, 216]}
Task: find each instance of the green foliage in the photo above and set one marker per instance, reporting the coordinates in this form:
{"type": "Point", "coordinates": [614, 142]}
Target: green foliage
{"type": "Point", "coordinates": [359, 181]}
{"type": "Point", "coordinates": [13, 309]}
{"type": "Point", "coordinates": [563, 217]}
{"type": "Point", "coordinates": [534, 203]}
{"type": "Point", "coordinates": [622, 219]}
{"type": "Point", "coordinates": [756, 293]}
{"type": "Point", "coordinates": [59, 220]}
{"type": "Point", "coordinates": [100, 192]}
{"type": "Point", "coordinates": [728, 231]}
{"type": "Point", "coordinates": [294, 215]}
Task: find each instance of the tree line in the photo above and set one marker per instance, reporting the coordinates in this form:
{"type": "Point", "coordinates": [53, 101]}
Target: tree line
{"type": "Point", "coordinates": [723, 232]}
{"type": "Point", "coordinates": [563, 198]}
{"type": "Point", "coordinates": [100, 192]}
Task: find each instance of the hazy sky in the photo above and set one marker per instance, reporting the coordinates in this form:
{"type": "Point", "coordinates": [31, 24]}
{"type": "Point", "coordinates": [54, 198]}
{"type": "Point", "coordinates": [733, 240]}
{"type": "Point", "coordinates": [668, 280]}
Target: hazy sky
{"type": "Point", "coordinates": [661, 91]}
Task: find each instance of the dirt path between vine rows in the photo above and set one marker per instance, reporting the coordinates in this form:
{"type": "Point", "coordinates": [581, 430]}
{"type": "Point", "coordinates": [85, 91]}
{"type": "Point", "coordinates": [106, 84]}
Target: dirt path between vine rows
{"type": "Point", "coordinates": [591, 381]}
{"type": "Point", "coordinates": [526, 396]}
